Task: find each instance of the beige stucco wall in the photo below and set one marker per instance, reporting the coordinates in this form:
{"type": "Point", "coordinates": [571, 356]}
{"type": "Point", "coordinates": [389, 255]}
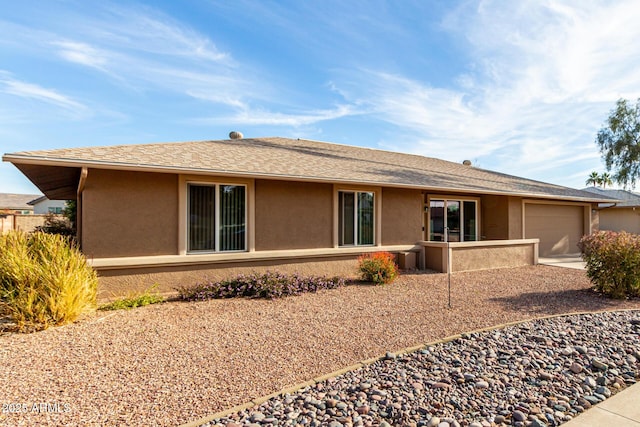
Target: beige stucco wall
{"type": "Point", "coordinates": [501, 217]}
{"type": "Point", "coordinates": [122, 282]}
{"type": "Point", "coordinates": [402, 212]}
{"type": "Point", "coordinates": [129, 214]}
{"type": "Point", "coordinates": [434, 258]}
{"type": "Point", "coordinates": [293, 215]}
{"type": "Point", "coordinates": [469, 256]}
{"type": "Point", "coordinates": [468, 259]}
{"type": "Point", "coordinates": [595, 219]}
{"type": "Point", "coordinates": [515, 217]}
{"type": "Point", "coordinates": [495, 216]}
{"type": "Point", "coordinates": [619, 219]}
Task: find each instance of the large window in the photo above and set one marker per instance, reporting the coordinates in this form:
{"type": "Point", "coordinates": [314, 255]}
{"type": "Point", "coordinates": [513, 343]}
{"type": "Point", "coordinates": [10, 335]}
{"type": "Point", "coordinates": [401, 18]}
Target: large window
{"type": "Point", "coordinates": [355, 218]}
{"type": "Point", "coordinates": [216, 218]}
{"type": "Point", "coordinates": [453, 220]}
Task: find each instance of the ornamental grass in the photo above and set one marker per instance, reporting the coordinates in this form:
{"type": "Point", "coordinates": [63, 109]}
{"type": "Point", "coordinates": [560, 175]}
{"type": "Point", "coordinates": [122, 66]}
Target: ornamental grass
{"type": "Point", "coordinates": [44, 280]}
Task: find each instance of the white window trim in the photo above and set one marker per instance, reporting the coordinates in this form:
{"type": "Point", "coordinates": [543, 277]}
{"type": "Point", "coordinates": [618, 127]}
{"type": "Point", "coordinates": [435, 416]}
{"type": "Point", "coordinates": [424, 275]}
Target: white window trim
{"type": "Point", "coordinates": [183, 224]}
{"type": "Point", "coordinates": [446, 198]}
{"type": "Point", "coordinates": [377, 214]}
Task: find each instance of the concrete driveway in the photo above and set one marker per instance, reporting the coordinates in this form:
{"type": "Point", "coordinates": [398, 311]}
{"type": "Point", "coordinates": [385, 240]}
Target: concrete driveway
{"type": "Point", "coordinates": [566, 261]}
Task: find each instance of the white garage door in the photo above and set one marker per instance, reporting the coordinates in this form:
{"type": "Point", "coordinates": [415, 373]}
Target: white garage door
{"type": "Point", "coordinates": [559, 227]}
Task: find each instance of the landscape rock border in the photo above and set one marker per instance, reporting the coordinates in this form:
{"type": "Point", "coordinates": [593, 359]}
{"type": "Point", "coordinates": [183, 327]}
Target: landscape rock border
{"type": "Point", "coordinates": [389, 356]}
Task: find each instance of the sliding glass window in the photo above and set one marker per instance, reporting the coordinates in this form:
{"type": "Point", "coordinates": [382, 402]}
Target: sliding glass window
{"type": "Point", "coordinates": [216, 218]}
{"type": "Point", "coordinates": [356, 219]}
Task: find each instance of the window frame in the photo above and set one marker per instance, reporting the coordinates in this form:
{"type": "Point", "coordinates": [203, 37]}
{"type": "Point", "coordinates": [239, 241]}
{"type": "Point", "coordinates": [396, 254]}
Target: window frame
{"type": "Point", "coordinates": [376, 211]}
{"type": "Point", "coordinates": [217, 184]}
{"type": "Point", "coordinates": [461, 200]}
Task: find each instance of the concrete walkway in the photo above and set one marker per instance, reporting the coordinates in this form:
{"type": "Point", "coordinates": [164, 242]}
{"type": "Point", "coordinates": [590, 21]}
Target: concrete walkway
{"type": "Point", "coordinates": [622, 409]}
{"type": "Point", "coordinates": [567, 261]}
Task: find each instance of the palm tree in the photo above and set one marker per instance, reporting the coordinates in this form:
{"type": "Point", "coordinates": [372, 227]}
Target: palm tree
{"type": "Point", "coordinates": [594, 179]}
{"type": "Point", "coordinates": [605, 179]}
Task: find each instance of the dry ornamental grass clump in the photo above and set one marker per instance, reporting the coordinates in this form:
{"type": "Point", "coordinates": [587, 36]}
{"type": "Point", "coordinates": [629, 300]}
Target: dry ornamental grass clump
{"type": "Point", "coordinates": [44, 281]}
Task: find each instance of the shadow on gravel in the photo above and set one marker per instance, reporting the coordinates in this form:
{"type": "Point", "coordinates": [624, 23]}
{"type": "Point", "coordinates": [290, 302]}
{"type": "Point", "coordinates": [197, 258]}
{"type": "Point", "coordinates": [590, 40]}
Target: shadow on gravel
{"type": "Point", "coordinates": [572, 300]}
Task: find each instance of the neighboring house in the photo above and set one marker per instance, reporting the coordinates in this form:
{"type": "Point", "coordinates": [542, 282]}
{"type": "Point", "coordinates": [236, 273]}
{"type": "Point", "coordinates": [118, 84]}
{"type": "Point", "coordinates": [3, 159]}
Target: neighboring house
{"type": "Point", "coordinates": [17, 204]}
{"type": "Point", "coordinates": [17, 214]}
{"type": "Point", "coordinates": [173, 213]}
{"type": "Point", "coordinates": [42, 206]}
{"type": "Point", "coordinates": [622, 214]}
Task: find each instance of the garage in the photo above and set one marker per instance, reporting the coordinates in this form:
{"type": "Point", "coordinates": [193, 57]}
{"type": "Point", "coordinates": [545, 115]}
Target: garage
{"type": "Point", "coordinates": [559, 227]}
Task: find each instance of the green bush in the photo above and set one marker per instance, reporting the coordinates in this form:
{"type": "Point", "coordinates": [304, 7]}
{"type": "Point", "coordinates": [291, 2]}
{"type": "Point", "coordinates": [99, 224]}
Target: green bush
{"type": "Point", "coordinates": [379, 268]}
{"type": "Point", "coordinates": [44, 281]}
{"type": "Point", "coordinates": [132, 301]}
{"type": "Point", "coordinates": [613, 262]}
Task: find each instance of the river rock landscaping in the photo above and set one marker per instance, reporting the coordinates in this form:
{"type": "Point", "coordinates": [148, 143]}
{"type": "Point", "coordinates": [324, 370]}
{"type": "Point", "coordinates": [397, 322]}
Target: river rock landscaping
{"type": "Point", "coordinates": [538, 373]}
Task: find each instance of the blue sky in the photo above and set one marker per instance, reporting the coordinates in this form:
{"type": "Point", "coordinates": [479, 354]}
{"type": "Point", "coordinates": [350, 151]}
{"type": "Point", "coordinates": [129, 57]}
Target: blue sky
{"type": "Point", "coordinates": [519, 87]}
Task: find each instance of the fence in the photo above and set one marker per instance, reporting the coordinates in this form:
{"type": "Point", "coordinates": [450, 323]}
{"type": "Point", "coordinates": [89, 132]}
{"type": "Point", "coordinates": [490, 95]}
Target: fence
{"type": "Point", "coordinates": [26, 223]}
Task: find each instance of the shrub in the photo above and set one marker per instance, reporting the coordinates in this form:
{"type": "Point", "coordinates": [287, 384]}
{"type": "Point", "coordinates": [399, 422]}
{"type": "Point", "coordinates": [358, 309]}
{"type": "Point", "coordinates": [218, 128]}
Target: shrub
{"type": "Point", "coordinates": [267, 285]}
{"type": "Point", "coordinates": [613, 262]}
{"type": "Point", "coordinates": [56, 224]}
{"type": "Point", "coordinates": [44, 280]}
{"type": "Point", "coordinates": [379, 268]}
{"type": "Point", "coordinates": [132, 301]}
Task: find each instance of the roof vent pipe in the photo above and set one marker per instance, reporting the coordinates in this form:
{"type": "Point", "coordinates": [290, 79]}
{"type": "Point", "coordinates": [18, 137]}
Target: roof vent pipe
{"type": "Point", "coordinates": [236, 135]}
{"type": "Point", "coordinates": [467, 162]}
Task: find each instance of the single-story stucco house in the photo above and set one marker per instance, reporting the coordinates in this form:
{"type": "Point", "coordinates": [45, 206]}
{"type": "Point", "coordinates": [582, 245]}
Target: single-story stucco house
{"type": "Point", "coordinates": [622, 214]}
{"type": "Point", "coordinates": [173, 213]}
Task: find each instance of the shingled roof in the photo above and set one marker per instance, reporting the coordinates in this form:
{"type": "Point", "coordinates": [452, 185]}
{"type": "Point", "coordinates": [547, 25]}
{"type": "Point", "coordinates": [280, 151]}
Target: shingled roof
{"type": "Point", "coordinates": [16, 202]}
{"type": "Point", "coordinates": [295, 159]}
{"type": "Point", "coordinates": [625, 198]}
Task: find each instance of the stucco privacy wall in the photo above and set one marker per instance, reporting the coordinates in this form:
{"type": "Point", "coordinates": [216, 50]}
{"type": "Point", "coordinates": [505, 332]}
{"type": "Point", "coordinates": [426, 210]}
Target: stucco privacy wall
{"type": "Point", "coordinates": [293, 215]}
{"type": "Point", "coordinates": [619, 219]}
{"type": "Point", "coordinates": [129, 214]}
{"type": "Point", "coordinates": [469, 256]}
{"type": "Point", "coordinates": [479, 258]}
{"type": "Point", "coordinates": [401, 216]}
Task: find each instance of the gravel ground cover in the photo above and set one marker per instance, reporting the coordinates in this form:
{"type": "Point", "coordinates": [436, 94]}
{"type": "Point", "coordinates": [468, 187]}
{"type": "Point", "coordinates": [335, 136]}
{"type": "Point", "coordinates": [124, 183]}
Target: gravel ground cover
{"type": "Point", "coordinates": [176, 362]}
{"type": "Point", "coordinates": [538, 373]}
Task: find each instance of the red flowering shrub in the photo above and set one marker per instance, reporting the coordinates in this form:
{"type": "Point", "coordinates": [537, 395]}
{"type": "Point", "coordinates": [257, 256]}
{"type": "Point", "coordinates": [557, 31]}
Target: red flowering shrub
{"type": "Point", "coordinates": [613, 262]}
{"type": "Point", "coordinates": [379, 267]}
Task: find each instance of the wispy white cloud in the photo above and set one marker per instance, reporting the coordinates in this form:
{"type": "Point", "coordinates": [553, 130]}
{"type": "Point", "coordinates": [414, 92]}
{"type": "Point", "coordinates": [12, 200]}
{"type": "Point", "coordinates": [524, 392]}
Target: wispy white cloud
{"type": "Point", "coordinates": [148, 30]}
{"type": "Point", "coordinates": [22, 89]}
{"type": "Point", "coordinates": [141, 49]}
{"type": "Point", "coordinates": [252, 117]}
{"type": "Point", "coordinates": [83, 54]}
{"type": "Point", "coordinates": [541, 76]}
